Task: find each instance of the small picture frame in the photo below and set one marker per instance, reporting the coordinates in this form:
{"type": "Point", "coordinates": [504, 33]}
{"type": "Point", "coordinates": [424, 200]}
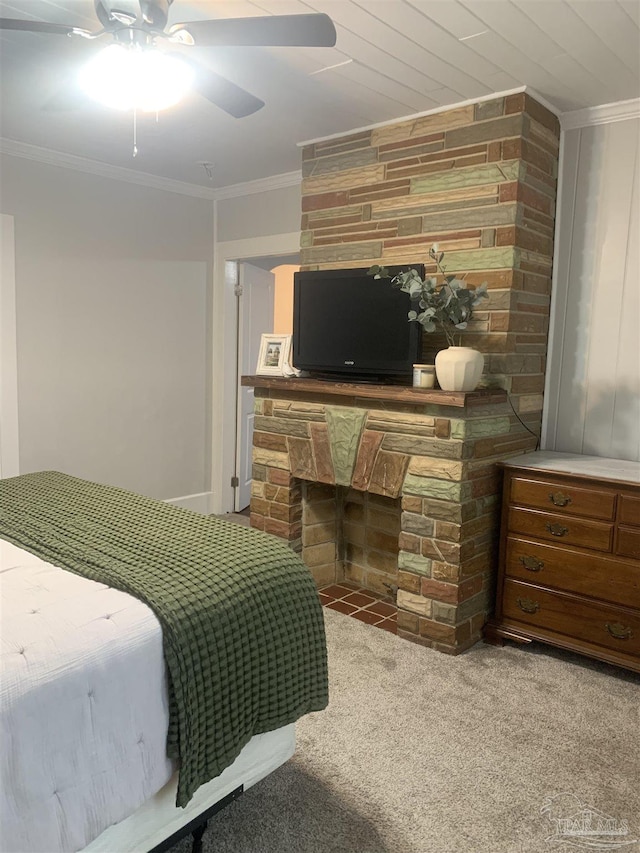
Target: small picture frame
{"type": "Point", "coordinates": [274, 356]}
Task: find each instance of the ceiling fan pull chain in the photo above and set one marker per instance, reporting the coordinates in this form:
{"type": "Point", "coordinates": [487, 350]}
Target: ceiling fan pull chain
{"type": "Point", "coordinates": [135, 132]}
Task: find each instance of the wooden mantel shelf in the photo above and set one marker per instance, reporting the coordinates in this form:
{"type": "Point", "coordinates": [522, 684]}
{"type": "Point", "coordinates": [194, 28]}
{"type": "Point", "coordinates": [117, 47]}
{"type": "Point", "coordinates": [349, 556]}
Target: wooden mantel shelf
{"type": "Point", "coordinates": [394, 393]}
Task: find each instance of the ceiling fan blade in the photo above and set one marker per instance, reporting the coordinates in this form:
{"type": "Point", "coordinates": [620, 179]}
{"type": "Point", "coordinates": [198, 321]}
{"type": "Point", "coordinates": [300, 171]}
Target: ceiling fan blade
{"type": "Point", "coordinates": [38, 27]}
{"type": "Point", "coordinates": [222, 92]}
{"type": "Point", "coordinates": [155, 12]}
{"type": "Point", "coordinates": [315, 30]}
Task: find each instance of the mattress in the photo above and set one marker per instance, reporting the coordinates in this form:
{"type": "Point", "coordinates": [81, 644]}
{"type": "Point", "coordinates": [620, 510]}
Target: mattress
{"type": "Point", "coordinates": [83, 706]}
{"type": "Point", "coordinates": [84, 717]}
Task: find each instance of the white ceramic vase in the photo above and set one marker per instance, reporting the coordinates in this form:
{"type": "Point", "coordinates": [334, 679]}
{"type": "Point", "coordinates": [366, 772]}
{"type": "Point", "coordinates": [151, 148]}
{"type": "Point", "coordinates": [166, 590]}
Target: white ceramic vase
{"type": "Point", "coordinates": [459, 368]}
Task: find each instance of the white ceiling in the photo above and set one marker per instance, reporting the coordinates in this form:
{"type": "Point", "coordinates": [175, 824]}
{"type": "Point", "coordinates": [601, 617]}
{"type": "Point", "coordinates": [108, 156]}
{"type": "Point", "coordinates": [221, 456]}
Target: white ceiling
{"type": "Point", "coordinates": [407, 56]}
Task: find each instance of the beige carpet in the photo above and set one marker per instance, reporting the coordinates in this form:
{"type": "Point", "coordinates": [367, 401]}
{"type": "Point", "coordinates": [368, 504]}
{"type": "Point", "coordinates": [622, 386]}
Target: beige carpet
{"type": "Point", "coordinates": [423, 753]}
{"type": "Point", "coordinates": [236, 518]}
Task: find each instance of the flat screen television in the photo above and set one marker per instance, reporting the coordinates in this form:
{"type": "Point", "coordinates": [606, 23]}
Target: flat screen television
{"type": "Point", "coordinates": [348, 324]}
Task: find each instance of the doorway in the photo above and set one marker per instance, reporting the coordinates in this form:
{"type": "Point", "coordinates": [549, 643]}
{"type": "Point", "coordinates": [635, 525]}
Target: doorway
{"type": "Point", "coordinates": [265, 306]}
{"type": "Point", "coordinates": [274, 248]}
{"type": "Point", "coordinates": [255, 317]}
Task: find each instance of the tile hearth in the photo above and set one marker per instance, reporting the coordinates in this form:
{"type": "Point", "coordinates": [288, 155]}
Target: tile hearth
{"type": "Point", "coordinates": [360, 603]}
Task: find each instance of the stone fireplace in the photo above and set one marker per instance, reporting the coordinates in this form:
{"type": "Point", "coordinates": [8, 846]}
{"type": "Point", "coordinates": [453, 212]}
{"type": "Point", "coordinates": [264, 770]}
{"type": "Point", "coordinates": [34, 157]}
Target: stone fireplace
{"type": "Point", "coordinates": [395, 488]}
{"type": "Point", "coordinates": [399, 487]}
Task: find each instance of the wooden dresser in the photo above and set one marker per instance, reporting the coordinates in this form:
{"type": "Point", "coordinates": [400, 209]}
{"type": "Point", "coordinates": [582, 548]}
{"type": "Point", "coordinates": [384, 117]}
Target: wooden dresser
{"type": "Point", "coordinates": [569, 572]}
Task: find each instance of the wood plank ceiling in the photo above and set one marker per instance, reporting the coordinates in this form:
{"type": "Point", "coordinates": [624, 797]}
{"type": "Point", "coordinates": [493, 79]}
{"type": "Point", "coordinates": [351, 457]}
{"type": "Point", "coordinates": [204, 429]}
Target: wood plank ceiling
{"type": "Point", "coordinates": [393, 58]}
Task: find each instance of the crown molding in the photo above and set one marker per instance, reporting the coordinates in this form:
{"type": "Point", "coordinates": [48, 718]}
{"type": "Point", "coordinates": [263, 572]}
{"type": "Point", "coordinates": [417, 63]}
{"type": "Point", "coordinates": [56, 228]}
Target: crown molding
{"type": "Point", "coordinates": [542, 100]}
{"type": "Point", "coordinates": [51, 157]}
{"type": "Point", "coordinates": [431, 112]}
{"type": "Point", "coordinates": [603, 114]}
{"type": "Point", "coordinates": [443, 109]}
{"type": "Point", "coordinates": [261, 185]}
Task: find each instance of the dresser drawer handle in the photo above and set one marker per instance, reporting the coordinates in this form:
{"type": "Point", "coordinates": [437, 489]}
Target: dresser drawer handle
{"type": "Point", "coordinates": [558, 499]}
{"type": "Point", "coordinates": [532, 564]}
{"type": "Point", "coordinates": [619, 631]}
{"type": "Point", "coordinates": [557, 529]}
{"type": "Point", "coordinates": [527, 605]}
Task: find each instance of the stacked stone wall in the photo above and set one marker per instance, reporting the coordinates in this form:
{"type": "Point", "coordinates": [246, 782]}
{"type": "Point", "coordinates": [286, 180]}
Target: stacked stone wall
{"type": "Point", "coordinates": [370, 529]}
{"type": "Point", "coordinates": [480, 181]}
{"type": "Point", "coordinates": [321, 525]}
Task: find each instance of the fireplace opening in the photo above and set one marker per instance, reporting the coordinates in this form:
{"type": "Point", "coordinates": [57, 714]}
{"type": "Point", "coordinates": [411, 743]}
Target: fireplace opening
{"type": "Point", "coordinates": [349, 535]}
{"type": "Point", "coordinates": [370, 530]}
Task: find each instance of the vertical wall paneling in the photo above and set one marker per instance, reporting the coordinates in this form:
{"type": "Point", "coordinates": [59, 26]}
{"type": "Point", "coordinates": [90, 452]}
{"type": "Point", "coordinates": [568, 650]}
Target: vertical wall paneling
{"type": "Point", "coordinates": [578, 292]}
{"type": "Point", "coordinates": [592, 402]}
{"type": "Point", "coordinates": [567, 176]}
{"type": "Point", "coordinates": [625, 433]}
{"type": "Point", "coordinates": [607, 376]}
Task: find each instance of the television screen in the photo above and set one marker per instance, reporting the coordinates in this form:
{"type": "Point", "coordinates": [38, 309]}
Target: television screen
{"type": "Point", "coordinates": [347, 323]}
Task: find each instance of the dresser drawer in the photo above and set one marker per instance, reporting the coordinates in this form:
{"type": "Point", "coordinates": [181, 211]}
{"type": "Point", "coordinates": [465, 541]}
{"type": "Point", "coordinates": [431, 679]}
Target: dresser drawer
{"type": "Point", "coordinates": [560, 498]}
{"type": "Point", "coordinates": [605, 625]}
{"type": "Point", "coordinates": [628, 542]}
{"type": "Point", "coordinates": [573, 571]}
{"type": "Point", "coordinates": [629, 510]}
{"type": "Point", "coordinates": [560, 529]}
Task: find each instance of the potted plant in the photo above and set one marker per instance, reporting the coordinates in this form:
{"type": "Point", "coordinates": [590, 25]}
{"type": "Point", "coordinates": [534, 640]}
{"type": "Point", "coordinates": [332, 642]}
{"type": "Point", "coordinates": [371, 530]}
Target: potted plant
{"type": "Point", "coordinates": [447, 307]}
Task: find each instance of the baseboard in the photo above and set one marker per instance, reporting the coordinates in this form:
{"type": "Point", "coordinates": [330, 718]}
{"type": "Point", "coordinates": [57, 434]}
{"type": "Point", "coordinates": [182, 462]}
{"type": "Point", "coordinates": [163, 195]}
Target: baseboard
{"type": "Point", "coordinates": [202, 503]}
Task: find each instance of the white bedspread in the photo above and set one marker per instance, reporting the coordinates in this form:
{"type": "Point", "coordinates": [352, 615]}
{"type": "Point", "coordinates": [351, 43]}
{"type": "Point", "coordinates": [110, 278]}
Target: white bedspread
{"type": "Point", "coordinates": [83, 706]}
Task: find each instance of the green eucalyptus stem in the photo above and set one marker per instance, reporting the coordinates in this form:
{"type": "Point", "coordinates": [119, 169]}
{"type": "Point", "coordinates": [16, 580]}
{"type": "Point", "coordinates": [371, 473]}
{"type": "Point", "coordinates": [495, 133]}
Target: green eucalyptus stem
{"type": "Point", "coordinates": [437, 257]}
{"type": "Point", "coordinates": [448, 334]}
{"type": "Point", "coordinates": [446, 307]}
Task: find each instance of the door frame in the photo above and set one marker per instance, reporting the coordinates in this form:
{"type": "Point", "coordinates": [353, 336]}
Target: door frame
{"type": "Point", "coordinates": [9, 444]}
{"type": "Point", "coordinates": [224, 377]}
{"type": "Point", "coordinates": [242, 310]}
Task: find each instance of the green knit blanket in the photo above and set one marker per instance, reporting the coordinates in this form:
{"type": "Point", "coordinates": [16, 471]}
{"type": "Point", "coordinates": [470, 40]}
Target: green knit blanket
{"type": "Point", "coordinates": [242, 626]}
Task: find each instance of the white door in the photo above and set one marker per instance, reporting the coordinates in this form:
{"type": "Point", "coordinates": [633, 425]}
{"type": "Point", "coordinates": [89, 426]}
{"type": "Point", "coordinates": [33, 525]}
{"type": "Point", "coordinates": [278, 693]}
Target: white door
{"type": "Point", "coordinates": [255, 313]}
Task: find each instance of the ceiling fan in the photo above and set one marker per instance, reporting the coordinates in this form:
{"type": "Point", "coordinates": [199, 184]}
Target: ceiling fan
{"type": "Point", "coordinates": [139, 26]}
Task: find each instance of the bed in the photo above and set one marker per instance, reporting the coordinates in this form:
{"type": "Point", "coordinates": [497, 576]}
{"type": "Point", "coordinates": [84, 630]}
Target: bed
{"type": "Point", "coordinates": [88, 691]}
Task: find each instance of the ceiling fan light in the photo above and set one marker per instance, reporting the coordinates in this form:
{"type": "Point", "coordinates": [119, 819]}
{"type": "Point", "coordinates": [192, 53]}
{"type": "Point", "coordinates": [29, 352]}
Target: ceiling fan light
{"type": "Point", "coordinates": [127, 78]}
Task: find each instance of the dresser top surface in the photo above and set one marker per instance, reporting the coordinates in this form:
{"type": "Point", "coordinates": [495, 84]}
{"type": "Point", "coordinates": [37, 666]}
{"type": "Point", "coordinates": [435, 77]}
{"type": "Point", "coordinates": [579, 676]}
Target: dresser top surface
{"type": "Point", "coordinates": [575, 463]}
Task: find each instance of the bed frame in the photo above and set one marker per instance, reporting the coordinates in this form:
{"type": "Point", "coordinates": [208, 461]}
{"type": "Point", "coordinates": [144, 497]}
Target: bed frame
{"type": "Point", "coordinates": [198, 826]}
{"type": "Point", "coordinates": [158, 824]}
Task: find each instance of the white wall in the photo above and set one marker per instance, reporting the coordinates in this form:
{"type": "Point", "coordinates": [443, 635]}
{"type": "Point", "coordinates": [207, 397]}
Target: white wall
{"type": "Point", "coordinates": [283, 298]}
{"type": "Point", "coordinates": [113, 292]}
{"type": "Point", "coordinates": [259, 214]}
{"type": "Point", "coordinates": [592, 399]}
